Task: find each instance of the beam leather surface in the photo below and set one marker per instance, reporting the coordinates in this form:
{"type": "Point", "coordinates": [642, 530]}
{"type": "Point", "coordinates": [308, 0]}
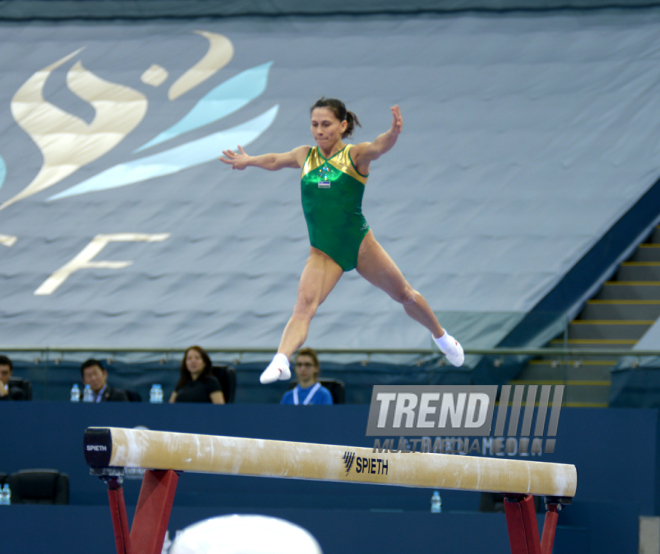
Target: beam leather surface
{"type": "Point", "coordinates": [240, 456]}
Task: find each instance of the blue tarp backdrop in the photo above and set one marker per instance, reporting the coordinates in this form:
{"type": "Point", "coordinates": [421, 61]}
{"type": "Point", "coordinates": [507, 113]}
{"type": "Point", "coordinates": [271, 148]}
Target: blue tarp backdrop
{"type": "Point", "coordinates": [526, 138]}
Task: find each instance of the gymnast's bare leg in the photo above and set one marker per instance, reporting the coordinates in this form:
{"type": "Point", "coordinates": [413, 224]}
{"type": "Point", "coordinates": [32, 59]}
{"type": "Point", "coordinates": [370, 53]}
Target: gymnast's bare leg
{"type": "Point", "coordinates": [319, 277]}
{"type": "Point", "coordinates": [376, 266]}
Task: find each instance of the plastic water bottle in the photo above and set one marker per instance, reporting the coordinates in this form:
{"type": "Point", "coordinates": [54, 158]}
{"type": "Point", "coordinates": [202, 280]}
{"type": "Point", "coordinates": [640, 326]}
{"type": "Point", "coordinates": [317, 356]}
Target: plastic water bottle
{"type": "Point", "coordinates": [156, 394]}
{"type": "Point", "coordinates": [436, 503]}
{"type": "Point", "coordinates": [88, 394]}
{"type": "Point", "coordinates": [5, 495]}
{"type": "Point", "coordinates": [75, 393]}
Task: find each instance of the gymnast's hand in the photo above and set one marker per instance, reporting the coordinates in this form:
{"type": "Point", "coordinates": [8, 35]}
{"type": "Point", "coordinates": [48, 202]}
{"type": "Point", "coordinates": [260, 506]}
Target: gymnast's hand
{"type": "Point", "coordinates": [235, 160]}
{"type": "Point", "coordinates": [397, 120]}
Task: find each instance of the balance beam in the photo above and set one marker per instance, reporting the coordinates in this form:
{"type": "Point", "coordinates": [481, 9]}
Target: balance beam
{"type": "Point", "coordinates": [159, 450]}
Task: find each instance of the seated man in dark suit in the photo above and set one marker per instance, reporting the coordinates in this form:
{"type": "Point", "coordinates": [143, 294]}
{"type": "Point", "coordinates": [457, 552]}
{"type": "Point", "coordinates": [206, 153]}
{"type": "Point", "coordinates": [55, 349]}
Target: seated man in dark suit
{"type": "Point", "coordinates": [7, 392]}
{"type": "Point", "coordinates": [94, 375]}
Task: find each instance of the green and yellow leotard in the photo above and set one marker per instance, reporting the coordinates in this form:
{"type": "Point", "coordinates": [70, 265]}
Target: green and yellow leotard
{"type": "Point", "coordinates": [332, 191]}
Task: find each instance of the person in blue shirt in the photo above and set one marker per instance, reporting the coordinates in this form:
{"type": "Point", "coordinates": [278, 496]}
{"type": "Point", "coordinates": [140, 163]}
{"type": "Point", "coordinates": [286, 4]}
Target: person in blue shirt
{"type": "Point", "coordinates": [308, 390]}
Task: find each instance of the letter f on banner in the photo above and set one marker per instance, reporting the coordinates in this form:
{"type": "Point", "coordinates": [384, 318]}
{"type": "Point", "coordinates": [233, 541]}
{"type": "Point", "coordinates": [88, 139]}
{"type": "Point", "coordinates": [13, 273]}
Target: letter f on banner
{"type": "Point", "coordinates": [84, 259]}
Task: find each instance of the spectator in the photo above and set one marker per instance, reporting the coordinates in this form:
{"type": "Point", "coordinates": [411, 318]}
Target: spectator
{"type": "Point", "coordinates": [308, 390]}
{"type": "Point", "coordinates": [7, 392]}
{"type": "Point", "coordinates": [196, 383]}
{"type": "Point", "coordinates": [94, 375]}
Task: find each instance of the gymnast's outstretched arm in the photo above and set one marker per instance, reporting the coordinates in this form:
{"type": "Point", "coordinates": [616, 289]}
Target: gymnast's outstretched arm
{"type": "Point", "coordinates": [366, 152]}
{"type": "Point", "coordinates": [272, 162]}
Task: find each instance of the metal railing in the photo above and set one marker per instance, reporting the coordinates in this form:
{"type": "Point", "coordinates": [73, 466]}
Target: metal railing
{"type": "Point", "coordinates": [368, 351]}
{"type": "Point", "coordinates": [586, 373]}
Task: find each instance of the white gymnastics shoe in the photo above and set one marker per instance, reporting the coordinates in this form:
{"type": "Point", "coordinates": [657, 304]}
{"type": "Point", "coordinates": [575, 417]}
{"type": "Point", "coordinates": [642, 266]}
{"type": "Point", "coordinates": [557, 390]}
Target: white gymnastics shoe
{"type": "Point", "coordinates": [451, 348]}
{"type": "Point", "coordinates": [278, 369]}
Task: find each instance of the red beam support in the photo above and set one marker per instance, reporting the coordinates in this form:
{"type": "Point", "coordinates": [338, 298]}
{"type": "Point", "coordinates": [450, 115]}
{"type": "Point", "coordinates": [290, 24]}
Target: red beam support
{"type": "Point", "coordinates": [152, 514]}
{"type": "Point", "coordinates": [549, 527]}
{"type": "Point", "coordinates": [522, 526]}
{"type": "Point", "coordinates": [119, 518]}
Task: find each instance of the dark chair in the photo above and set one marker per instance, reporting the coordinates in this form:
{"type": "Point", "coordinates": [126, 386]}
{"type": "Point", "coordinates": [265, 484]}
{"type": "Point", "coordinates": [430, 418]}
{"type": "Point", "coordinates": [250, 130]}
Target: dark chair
{"type": "Point", "coordinates": [227, 377]}
{"type": "Point", "coordinates": [335, 386]}
{"type": "Point", "coordinates": [22, 388]}
{"type": "Point", "coordinates": [133, 396]}
{"type": "Point", "coordinates": [39, 486]}
{"type": "Point", "coordinates": [337, 389]}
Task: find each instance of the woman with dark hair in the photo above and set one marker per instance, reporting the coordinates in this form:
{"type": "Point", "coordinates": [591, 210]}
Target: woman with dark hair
{"type": "Point", "coordinates": [334, 175]}
{"type": "Point", "coordinates": [197, 384]}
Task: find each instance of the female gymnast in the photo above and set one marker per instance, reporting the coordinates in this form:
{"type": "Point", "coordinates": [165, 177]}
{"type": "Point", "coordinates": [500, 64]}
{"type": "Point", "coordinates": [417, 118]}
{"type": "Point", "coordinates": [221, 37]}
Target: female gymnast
{"type": "Point", "coordinates": [334, 175]}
